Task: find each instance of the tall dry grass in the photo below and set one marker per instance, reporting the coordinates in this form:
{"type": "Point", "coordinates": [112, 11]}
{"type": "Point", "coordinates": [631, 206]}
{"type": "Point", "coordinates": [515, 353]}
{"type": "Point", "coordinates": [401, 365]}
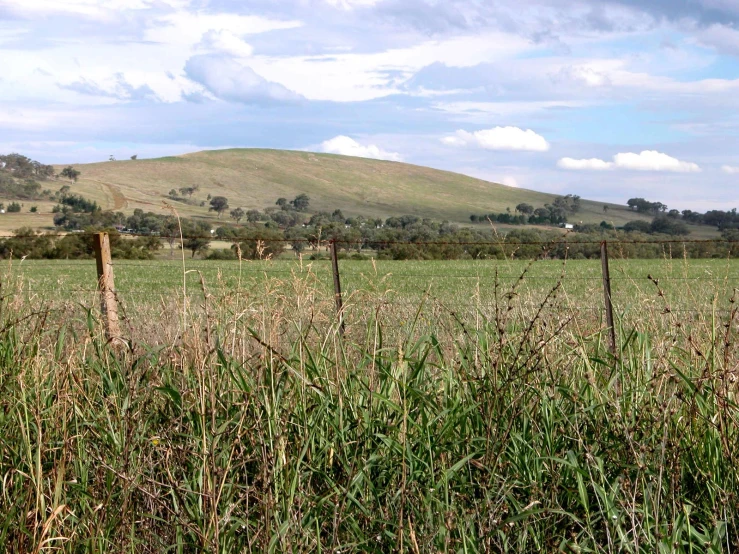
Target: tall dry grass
{"type": "Point", "coordinates": [244, 423]}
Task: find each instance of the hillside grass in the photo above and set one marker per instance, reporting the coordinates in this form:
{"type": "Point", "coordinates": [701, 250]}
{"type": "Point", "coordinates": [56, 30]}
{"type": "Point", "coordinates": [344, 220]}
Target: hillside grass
{"type": "Point", "coordinates": [255, 178]}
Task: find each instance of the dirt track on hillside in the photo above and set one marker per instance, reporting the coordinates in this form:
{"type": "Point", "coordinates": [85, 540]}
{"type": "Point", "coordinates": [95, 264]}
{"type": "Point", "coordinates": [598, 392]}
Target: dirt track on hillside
{"type": "Point", "coordinates": [119, 199]}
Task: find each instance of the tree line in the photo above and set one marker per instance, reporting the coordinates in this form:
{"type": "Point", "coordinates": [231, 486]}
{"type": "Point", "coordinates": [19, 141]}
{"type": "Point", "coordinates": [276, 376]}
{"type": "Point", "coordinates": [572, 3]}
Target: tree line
{"type": "Point", "coordinates": [525, 214]}
{"type": "Point", "coordinates": [270, 232]}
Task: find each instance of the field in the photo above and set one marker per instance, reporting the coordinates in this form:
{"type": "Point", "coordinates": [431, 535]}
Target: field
{"type": "Point", "coordinates": [469, 407]}
{"type": "Point", "coordinates": [467, 286]}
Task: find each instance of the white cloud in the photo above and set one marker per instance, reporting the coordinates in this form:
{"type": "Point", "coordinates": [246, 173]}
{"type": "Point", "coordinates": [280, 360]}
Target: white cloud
{"type": "Point", "coordinates": [592, 164]}
{"type": "Point", "coordinates": [187, 28]}
{"type": "Point", "coordinates": [730, 169]}
{"type": "Point", "coordinates": [88, 8]}
{"type": "Point", "coordinates": [651, 160]}
{"type": "Point", "coordinates": [115, 86]}
{"type": "Point", "coordinates": [351, 4]}
{"type": "Point", "coordinates": [230, 80]}
{"type": "Point", "coordinates": [356, 77]}
{"type": "Point", "coordinates": [225, 41]}
{"type": "Point", "coordinates": [475, 110]}
{"type": "Point", "coordinates": [721, 37]}
{"type": "Point", "coordinates": [347, 146]}
{"type": "Point", "coordinates": [647, 160]}
{"type": "Point", "coordinates": [454, 140]}
{"type": "Point", "coordinates": [500, 138]}
{"type": "Point", "coordinates": [510, 182]}
{"type": "Point", "coordinates": [584, 74]}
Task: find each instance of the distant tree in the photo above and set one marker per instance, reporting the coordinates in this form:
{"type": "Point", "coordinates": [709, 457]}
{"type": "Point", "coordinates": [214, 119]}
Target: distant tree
{"type": "Point", "coordinates": [252, 216]}
{"type": "Point", "coordinates": [524, 208]}
{"type": "Point", "coordinates": [134, 157]}
{"type": "Point", "coordinates": [668, 226]}
{"type": "Point", "coordinates": [638, 225]}
{"type": "Point", "coordinates": [238, 214]}
{"type": "Point", "coordinates": [14, 207]}
{"type": "Point", "coordinates": [189, 191]}
{"type": "Point", "coordinates": [281, 202]}
{"type": "Point", "coordinates": [33, 209]}
{"type": "Point", "coordinates": [218, 204]}
{"type": "Point", "coordinates": [298, 239]}
{"type": "Point", "coordinates": [644, 206]}
{"type": "Point", "coordinates": [112, 158]}
{"type": "Point", "coordinates": [24, 168]}
{"type": "Point", "coordinates": [173, 193]}
{"type": "Point", "coordinates": [196, 245]}
{"type": "Point", "coordinates": [605, 208]}
{"type": "Point", "coordinates": [70, 173]}
{"type": "Point", "coordinates": [301, 202]}
{"type": "Point", "coordinates": [567, 204]}
{"type": "Point", "coordinates": [171, 232]}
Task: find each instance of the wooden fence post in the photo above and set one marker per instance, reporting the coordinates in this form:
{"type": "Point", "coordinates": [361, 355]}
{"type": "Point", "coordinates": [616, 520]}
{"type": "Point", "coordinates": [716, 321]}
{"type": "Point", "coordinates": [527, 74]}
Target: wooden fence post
{"type": "Point", "coordinates": [607, 296]}
{"type": "Point", "coordinates": [337, 286]}
{"type": "Point", "coordinates": [106, 286]}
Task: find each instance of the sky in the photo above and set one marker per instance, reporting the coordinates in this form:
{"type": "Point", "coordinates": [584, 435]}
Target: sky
{"type": "Point", "coordinates": [608, 99]}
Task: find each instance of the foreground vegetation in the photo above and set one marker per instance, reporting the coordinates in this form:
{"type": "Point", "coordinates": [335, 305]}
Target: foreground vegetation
{"type": "Point", "coordinates": [239, 420]}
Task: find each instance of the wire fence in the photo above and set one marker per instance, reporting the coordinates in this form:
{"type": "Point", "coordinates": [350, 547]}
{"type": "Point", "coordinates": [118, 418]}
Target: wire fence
{"type": "Point", "coordinates": [566, 238]}
{"type": "Point", "coordinates": [676, 286]}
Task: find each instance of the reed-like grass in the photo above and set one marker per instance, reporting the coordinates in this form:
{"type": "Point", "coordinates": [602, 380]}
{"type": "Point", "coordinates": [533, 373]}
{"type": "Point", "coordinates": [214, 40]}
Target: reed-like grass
{"type": "Point", "coordinates": [245, 423]}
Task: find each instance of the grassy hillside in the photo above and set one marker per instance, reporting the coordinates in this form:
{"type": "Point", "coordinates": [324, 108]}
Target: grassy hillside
{"type": "Point", "coordinates": [255, 178]}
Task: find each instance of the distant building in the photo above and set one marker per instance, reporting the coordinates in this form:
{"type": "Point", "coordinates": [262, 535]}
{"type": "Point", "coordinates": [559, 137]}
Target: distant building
{"type": "Point", "coordinates": [568, 226]}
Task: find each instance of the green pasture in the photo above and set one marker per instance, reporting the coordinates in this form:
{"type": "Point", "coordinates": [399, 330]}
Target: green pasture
{"type": "Point", "coordinates": [688, 286]}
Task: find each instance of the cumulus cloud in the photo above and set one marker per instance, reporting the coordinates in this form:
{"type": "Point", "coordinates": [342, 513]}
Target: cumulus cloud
{"type": "Point", "coordinates": [499, 138]}
{"type": "Point", "coordinates": [228, 79]}
{"type": "Point", "coordinates": [592, 164]}
{"type": "Point", "coordinates": [647, 160]}
{"type": "Point", "coordinates": [225, 41]}
{"type": "Point", "coordinates": [730, 169]}
{"type": "Point", "coordinates": [347, 146]}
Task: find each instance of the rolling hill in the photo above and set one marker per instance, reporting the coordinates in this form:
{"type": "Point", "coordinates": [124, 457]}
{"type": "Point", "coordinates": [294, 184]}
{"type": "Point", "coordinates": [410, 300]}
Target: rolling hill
{"type": "Point", "coordinates": [255, 178]}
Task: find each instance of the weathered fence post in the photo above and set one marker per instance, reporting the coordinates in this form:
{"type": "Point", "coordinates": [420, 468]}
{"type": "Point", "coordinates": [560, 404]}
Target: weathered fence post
{"type": "Point", "coordinates": [106, 285]}
{"type": "Point", "coordinates": [607, 296]}
{"type": "Point", "coordinates": [337, 286]}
